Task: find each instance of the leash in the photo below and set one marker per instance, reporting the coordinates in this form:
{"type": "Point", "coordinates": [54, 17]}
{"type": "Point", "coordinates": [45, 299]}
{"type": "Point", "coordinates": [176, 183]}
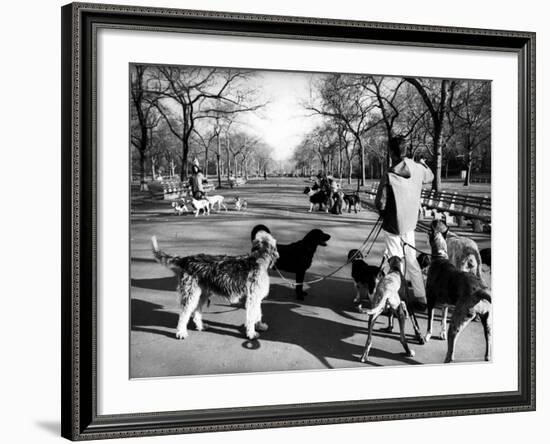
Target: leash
{"type": "Point", "coordinates": [414, 248]}
{"type": "Point", "coordinates": [377, 226]}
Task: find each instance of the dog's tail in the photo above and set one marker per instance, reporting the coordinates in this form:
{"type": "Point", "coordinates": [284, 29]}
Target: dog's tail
{"type": "Point", "coordinates": [163, 258]}
{"type": "Point", "coordinates": [378, 308]}
{"type": "Point", "coordinates": [483, 295]}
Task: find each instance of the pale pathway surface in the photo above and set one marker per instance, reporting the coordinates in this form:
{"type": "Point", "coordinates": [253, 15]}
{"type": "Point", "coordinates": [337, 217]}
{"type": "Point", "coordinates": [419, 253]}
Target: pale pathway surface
{"type": "Point", "coordinates": [324, 331]}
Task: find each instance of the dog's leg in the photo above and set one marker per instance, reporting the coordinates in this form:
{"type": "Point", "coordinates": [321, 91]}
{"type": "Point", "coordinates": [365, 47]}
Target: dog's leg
{"type": "Point", "coordinates": [190, 297]}
{"type": "Point", "coordinates": [300, 293]}
{"type": "Point", "coordinates": [389, 328]}
{"type": "Point", "coordinates": [402, 317]}
{"type": "Point", "coordinates": [444, 314]}
{"type": "Point", "coordinates": [369, 340]}
{"type": "Point", "coordinates": [310, 208]}
{"type": "Point", "coordinates": [197, 320]}
{"type": "Point", "coordinates": [357, 298]}
{"type": "Point", "coordinates": [461, 318]}
{"type": "Point", "coordinates": [253, 315]}
{"type": "Point", "coordinates": [486, 321]}
{"type": "Point", "coordinates": [430, 322]}
{"type": "Point", "coordinates": [416, 326]}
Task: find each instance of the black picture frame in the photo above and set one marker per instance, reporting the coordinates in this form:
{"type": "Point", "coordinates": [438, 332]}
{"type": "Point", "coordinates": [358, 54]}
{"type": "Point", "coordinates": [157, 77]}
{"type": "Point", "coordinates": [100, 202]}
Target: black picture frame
{"type": "Point", "coordinates": [79, 390]}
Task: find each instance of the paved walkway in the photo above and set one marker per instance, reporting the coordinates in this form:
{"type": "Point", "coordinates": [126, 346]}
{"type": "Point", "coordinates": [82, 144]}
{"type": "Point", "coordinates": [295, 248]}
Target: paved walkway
{"type": "Point", "coordinates": [321, 332]}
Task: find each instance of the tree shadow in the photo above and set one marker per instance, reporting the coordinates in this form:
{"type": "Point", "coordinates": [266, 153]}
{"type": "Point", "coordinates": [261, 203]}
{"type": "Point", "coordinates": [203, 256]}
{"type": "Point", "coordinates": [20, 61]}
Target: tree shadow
{"type": "Point", "coordinates": [168, 283]}
{"type": "Point", "coordinates": [323, 338]}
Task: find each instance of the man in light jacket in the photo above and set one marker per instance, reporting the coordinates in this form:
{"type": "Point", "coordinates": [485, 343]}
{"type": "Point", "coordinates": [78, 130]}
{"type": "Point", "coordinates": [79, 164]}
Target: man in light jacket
{"type": "Point", "coordinates": [398, 202]}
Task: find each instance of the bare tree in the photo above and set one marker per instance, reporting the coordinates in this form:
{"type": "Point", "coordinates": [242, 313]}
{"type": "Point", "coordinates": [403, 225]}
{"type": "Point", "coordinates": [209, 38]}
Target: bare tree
{"type": "Point", "coordinates": [473, 111]}
{"type": "Point", "coordinates": [343, 98]}
{"type": "Point", "coordinates": [144, 113]}
{"type": "Point", "coordinates": [437, 96]}
{"type": "Point", "coordinates": [186, 94]}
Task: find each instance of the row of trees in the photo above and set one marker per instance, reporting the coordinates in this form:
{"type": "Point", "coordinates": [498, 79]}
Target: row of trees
{"type": "Point", "coordinates": [442, 120]}
{"type": "Point", "coordinates": [179, 114]}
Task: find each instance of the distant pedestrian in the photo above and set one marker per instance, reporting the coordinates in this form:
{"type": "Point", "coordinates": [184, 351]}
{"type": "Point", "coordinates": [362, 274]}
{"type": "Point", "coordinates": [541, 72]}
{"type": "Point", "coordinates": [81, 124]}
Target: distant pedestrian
{"type": "Point", "coordinates": [197, 182]}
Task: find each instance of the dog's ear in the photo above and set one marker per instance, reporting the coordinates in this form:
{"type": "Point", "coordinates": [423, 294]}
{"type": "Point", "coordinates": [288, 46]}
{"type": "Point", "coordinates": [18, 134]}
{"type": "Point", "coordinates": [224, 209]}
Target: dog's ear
{"type": "Point", "coordinates": [257, 230]}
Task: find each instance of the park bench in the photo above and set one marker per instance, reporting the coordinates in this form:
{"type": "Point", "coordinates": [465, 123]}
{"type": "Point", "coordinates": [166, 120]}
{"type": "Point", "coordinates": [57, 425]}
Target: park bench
{"type": "Point", "coordinates": [451, 205]}
{"type": "Point", "coordinates": [171, 189]}
{"type": "Point", "coordinates": [168, 189]}
{"type": "Point", "coordinates": [236, 182]}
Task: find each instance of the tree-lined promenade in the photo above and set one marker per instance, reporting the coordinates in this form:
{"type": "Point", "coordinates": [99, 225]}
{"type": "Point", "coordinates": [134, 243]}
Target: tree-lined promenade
{"type": "Point", "coordinates": [179, 114]}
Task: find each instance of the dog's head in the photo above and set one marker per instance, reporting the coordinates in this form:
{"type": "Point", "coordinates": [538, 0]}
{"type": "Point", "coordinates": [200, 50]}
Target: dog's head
{"type": "Point", "coordinates": [439, 226]}
{"type": "Point", "coordinates": [394, 263]}
{"type": "Point", "coordinates": [257, 229]}
{"type": "Point", "coordinates": [438, 244]}
{"type": "Point", "coordinates": [424, 260]}
{"type": "Point", "coordinates": [317, 237]}
{"type": "Point", "coordinates": [355, 255]}
{"type": "Point", "coordinates": [307, 190]}
{"type": "Point", "coordinates": [236, 199]}
{"type": "Point", "coordinates": [264, 248]}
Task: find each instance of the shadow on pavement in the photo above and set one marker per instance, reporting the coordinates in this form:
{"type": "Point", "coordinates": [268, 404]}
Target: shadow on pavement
{"type": "Point", "coordinates": [169, 283]}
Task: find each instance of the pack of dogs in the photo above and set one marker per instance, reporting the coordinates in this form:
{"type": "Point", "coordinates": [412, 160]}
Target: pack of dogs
{"type": "Point", "coordinates": [452, 268]}
{"type": "Point", "coordinates": [206, 205]}
{"type": "Point", "coordinates": [322, 201]}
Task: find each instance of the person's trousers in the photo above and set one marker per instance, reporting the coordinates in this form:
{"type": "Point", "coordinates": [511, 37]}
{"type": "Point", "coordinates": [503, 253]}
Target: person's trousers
{"type": "Point", "coordinates": [394, 247]}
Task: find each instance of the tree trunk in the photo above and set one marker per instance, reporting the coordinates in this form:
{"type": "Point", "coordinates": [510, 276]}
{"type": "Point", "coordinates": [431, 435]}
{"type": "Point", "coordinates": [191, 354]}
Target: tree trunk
{"type": "Point", "coordinates": [362, 163]}
{"type": "Point", "coordinates": [206, 162]}
{"type": "Point", "coordinates": [436, 184]}
{"type": "Point", "coordinates": [218, 168]}
{"type": "Point", "coordinates": [184, 152]}
{"type": "Point", "coordinates": [467, 178]}
{"type": "Point", "coordinates": [142, 182]}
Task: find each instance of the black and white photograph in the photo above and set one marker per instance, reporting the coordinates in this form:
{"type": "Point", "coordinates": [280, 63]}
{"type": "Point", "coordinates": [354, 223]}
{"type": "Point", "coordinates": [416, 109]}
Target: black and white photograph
{"type": "Point", "coordinates": [301, 221]}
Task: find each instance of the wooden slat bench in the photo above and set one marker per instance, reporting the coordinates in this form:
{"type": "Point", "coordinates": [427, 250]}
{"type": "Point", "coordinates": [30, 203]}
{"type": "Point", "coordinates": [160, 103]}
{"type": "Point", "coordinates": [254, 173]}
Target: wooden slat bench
{"type": "Point", "coordinates": [173, 188]}
{"type": "Point", "coordinates": [236, 182]}
{"type": "Point", "coordinates": [452, 204]}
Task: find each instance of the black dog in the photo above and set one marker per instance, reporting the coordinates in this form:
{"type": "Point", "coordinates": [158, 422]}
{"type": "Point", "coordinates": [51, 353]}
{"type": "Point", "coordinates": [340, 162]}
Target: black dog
{"type": "Point", "coordinates": [446, 285]}
{"type": "Point", "coordinates": [364, 276]}
{"type": "Point", "coordinates": [317, 197]}
{"type": "Point", "coordinates": [298, 256]}
{"type": "Point", "coordinates": [352, 200]}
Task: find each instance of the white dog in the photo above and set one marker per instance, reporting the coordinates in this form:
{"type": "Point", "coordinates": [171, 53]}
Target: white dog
{"type": "Point", "coordinates": [217, 199]}
{"type": "Point", "coordinates": [198, 205]}
{"type": "Point", "coordinates": [240, 204]}
{"type": "Point", "coordinates": [179, 208]}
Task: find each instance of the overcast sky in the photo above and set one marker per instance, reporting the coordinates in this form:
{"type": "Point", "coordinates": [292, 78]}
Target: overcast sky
{"type": "Point", "coordinates": [284, 121]}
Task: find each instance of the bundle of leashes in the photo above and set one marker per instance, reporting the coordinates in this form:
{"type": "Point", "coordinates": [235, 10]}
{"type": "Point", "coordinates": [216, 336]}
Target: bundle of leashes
{"type": "Point", "coordinates": [376, 228]}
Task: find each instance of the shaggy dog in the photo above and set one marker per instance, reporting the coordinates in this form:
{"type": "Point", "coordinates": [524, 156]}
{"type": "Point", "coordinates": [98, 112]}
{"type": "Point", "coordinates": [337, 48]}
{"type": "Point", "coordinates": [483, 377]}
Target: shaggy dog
{"type": "Point", "coordinates": [447, 285]}
{"type": "Point", "coordinates": [391, 297]}
{"type": "Point", "coordinates": [317, 197]}
{"type": "Point", "coordinates": [298, 256]}
{"type": "Point", "coordinates": [216, 200]}
{"type": "Point", "coordinates": [233, 277]}
{"type": "Point", "coordinates": [337, 202]}
{"type": "Point", "coordinates": [364, 276]}
{"type": "Point", "coordinates": [240, 204]}
{"type": "Point", "coordinates": [198, 205]}
{"type": "Point", "coordinates": [352, 200]}
{"type": "Point", "coordinates": [462, 251]}
{"type": "Point", "coordinates": [179, 208]}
